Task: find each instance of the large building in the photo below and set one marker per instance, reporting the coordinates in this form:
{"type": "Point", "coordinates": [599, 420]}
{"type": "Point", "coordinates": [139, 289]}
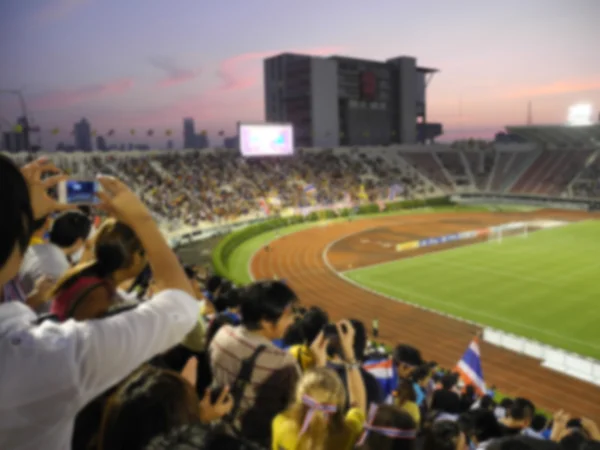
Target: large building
{"type": "Point", "coordinates": [83, 135]}
{"type": "Point", "coordinates": [189, 133]}
{"type": "Point", "coordinates": [338, 100]}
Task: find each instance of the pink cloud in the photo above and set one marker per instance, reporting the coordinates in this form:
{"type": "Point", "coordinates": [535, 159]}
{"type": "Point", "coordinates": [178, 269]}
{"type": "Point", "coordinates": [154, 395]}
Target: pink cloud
{"type": "Point", "coordinates": [68, 97]}
{"type": "Point", "coordinates": [174, 74]}
{"type": "Point", "coordinates": [241, 72]}
{"type": "Point", "coordinates": [554, 88]}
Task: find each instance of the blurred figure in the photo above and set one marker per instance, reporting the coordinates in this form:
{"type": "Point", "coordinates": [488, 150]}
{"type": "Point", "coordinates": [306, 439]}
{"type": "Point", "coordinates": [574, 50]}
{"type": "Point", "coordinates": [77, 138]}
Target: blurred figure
{"type": "Point", "coordinates": [388, 428]}
{"type": "Point", "coordinates": [152, 402]}
{"type": "Point", "coordinates": [88, 290]}
{"type": "Point", "coordinates": [445, 435]}
{"type": "Point", "coordinates": [53, 259]}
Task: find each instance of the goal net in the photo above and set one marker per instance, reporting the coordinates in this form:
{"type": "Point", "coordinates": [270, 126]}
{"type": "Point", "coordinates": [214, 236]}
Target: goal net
{"type": "Point", "coordinates": [514, 229]}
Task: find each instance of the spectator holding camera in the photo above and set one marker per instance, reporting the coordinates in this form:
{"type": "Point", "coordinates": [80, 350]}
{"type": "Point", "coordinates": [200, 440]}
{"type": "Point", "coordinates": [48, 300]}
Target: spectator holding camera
{"type": "Point", "coordinates": [318, 418]}
{"type": "Point", "coordinates": [50, 371]}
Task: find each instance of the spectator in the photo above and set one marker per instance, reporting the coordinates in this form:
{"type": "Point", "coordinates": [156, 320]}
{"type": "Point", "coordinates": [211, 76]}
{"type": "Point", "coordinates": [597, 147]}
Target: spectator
{"type": "Point", "coordinates": [445, 435]}
{"type": "Point", "coordinates": [300, 335]}
{"type": "Point", "coordinates": [407, 360]}
{"type": "Point", "coordinates": [61, 367]}
{"type": "Point", "coordinates": [318, 419]}
{"type": "Point", "coordinates": [388, 428]}
{"type": "Point", "coordinates": [88, 291]}
{"type": "Point", "coordinates": [519, 417]}
{"type": "Point", "coordinates": [484, 428]}
{"type": "Point", "coordinates": [267, 311]}
{"type": "Point", "coordinates": [152, 402]}
{"type": "Point", "coordinates": [53, 259]}
{"type": "Point", "coordinates": [374, 393]}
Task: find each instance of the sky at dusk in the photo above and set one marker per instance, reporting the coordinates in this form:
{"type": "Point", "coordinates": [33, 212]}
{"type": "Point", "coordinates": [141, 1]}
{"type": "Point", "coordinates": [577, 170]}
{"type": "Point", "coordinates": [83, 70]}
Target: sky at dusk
{"type": "Point", "coordinates": [148, 63]}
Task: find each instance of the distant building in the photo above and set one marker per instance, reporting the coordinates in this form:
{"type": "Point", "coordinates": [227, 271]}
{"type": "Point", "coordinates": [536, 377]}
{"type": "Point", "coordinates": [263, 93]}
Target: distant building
{"type": "Point", "coordinates": [348, 101]}
{"type": "Point", "coordinates": [83, 135]}
{"type": "Point", "coordinates": [101, 143]}
{"type": "Point", "coordinates": [170, 144]}
{"type": "Point", "coordinates": [13, 142]}
{"type": "Point", "coordinates": [189, 133]}
{"type": "Point", "coordinates": [200, 141]}
{"type": "Point", "coordinates": [232, 142]}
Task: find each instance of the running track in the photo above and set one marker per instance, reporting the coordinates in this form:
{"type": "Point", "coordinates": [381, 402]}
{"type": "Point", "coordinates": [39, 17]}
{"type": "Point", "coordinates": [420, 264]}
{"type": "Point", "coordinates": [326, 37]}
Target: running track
{"type": "Point", "coordinates": [298, 258]}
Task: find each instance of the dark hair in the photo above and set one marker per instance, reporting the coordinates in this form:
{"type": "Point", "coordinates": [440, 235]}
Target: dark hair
{"type": "Point", "coordinates": [449, 380]}
{"type": "Point", "coordinates": [115, 247]}
{"type": "Point", "coordinates": [213, 283]}
{"type": "Point", "coordinates": [484, 425]}
{"type": "Point", "coordinates": [227, 300]}
{"type": "Point", "coordinates": [506, 403]}
{"type": "Point", "coordinates": [17, 221]}
{"type": "Point", "coordinates": [442, 435]}
{"type": "Point", "coordinates": [360, 339]}
{"type": "Point", "coordinates": [215, 325]}
{"type": "Point", "coordinates": [521, 409]}
{"type": "Point", "coordinates": [446, 401]}
{"type": "Point", "coordinates": [149, 403]}
{"type": "Point", "coordinates": [306, 329]}
{"type": "Point", "coordinates": [85, 209]}
{"type": "Point", "coordinates": [264, 300]}
{"type": "Point", "coordinates": [407, 354]}
{"type": "Point", "coordinates": [487, 402]}
{"type": "Point", "coordinates": [199, 437]}
{"type": "Point", "coordinates": [390, 416]}
{"type": "Point", "coordinates": [69, 227]}
{"type": "Point", "coordinates": [539, 422]}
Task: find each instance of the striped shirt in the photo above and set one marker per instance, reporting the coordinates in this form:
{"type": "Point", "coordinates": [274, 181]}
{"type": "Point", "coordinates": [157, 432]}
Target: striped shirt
{"type": "Point", "coordinates": [272, 382]}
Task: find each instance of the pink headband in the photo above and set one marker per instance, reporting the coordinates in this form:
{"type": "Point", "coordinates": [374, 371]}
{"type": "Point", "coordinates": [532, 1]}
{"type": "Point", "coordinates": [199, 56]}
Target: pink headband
{"type": "Point", "coordinates": [313, 407]}
{"type": "Point", "coordinates": [392, 433]}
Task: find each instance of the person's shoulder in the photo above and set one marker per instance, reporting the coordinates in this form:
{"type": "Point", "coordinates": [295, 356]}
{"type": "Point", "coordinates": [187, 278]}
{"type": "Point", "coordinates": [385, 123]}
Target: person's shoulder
{"type": "Point", "coordinates": [355, 419]}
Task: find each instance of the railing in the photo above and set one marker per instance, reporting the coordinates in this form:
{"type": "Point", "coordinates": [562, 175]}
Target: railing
{"type": "Point", "coordinates": [578, 204]}
{"type": "Point", "coordinates": [568, 363]}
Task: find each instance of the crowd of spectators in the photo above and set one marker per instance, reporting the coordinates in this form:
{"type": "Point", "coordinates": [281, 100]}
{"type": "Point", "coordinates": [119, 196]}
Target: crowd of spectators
{"type": "Point", "coordinates": [98, 322]}
{"type": "Point", "coordinates": [192, 187]}
{"type": "Point", "coordinates": [587, 184]}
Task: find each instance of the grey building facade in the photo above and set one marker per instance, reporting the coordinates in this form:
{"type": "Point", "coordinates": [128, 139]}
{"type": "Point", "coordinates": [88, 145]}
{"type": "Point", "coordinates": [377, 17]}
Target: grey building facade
{"type": "Point", "coordinates": [339, 100]}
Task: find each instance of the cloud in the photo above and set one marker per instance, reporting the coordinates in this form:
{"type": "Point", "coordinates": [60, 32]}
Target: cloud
{"type": "Point", "coordinates": [69, 97]}
{"type": "Point", "coordinates": [554, 88]}
{"type": "Point", "coordinates": [241, 72]}
{"type": "Point", "coordinates": [59, 9]}
{"type": "Point", "coordinates": [174, 74]}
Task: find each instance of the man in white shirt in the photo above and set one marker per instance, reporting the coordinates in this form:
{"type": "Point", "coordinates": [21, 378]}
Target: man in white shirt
{"type": "Point", "coordinates": [51, 259]}
{"type": "Point", "coordinates": [50, 371]}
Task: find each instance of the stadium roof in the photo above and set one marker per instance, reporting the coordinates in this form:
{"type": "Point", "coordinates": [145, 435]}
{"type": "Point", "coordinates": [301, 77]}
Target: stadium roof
{"type": "Point", "coordinates": [559, 135]}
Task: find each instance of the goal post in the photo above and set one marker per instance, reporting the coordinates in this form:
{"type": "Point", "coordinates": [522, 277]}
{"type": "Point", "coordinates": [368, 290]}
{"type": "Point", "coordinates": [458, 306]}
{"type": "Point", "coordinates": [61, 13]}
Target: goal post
{"type": "Point", "coordinates": [514, 229]}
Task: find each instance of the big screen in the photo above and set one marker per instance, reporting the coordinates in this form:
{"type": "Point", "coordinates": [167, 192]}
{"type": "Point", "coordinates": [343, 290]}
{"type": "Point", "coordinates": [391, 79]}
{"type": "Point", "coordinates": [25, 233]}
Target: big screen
{"type": "Point", "coordinates": [266, 140]}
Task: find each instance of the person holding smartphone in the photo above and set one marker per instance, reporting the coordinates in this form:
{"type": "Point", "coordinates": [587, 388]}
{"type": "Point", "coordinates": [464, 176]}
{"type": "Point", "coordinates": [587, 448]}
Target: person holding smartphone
{"type": "Point", "coordinates": [51, 371]}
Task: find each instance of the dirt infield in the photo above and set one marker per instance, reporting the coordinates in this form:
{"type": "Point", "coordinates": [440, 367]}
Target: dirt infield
{"type": "Point", "coordinates": [298, 259]}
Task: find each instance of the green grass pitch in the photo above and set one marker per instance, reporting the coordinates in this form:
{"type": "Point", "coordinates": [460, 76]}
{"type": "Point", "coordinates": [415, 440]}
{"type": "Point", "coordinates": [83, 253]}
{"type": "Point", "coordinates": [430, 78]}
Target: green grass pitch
{"type": "Point", "coordinates": [545, 286]}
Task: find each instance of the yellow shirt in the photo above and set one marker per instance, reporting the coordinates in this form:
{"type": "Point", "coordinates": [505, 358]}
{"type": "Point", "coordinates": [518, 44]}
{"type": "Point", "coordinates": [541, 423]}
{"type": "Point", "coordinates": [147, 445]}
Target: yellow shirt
{"type": "Point", "coordinates": [303, 355]}
{"type": "Point", "coordinates": [36, 241]}
{"type": "Point", "coordinates": [413, 409]}
{"type": "Point", "coordinates": [286, 432]}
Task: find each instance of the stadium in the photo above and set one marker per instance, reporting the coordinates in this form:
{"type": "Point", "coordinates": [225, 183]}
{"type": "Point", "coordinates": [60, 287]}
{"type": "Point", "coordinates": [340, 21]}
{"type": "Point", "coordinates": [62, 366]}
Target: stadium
{"type": "Point", "coordinates": [441, 245]}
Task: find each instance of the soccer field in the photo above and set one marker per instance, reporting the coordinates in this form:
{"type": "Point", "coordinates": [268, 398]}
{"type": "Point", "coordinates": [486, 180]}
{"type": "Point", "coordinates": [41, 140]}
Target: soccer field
{"type": "Point", "coordinates": [545, 286]}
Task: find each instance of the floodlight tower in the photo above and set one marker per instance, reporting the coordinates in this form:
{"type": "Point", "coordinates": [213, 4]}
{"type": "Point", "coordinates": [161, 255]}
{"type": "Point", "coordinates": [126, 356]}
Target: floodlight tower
{"type": "Point", "coordinates": [24, 119]}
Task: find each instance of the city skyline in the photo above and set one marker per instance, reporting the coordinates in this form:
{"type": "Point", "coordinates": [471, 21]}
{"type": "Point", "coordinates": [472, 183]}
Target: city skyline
{"type": "Point", "coordinates": [159, 62]}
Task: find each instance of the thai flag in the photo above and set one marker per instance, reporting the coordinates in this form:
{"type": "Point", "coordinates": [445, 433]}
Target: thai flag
{"type": "Point", "coordinates": [469, 368]}
{"type": "Point", "coordinates": [385, 373]}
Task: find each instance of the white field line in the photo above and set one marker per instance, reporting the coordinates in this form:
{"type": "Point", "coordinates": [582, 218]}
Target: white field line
{"type": "Point", "coordinates": [442, 302]}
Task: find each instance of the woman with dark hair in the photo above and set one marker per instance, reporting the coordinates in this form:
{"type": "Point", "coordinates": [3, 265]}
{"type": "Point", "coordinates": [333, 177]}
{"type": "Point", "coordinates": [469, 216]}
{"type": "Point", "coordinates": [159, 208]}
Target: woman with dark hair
{"type": "Point", "coordinates": [153, 402]}
{"type": "Point", "coordinates": [88, 290]}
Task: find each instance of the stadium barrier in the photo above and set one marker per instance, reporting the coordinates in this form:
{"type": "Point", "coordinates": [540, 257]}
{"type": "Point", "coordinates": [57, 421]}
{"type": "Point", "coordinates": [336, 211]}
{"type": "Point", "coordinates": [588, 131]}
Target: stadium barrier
{"type": "Point", "coordinates": [476, 198]}
{"type": "Point", "coordinates": [225, 248]}
{"type": "Point", "coordinates": [562, 361]}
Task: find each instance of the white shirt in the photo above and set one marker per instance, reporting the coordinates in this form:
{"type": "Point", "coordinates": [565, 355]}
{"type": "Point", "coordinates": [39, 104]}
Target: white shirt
{"type": "Point", "coordinates": [49, 372]}
{"type": "Point", "coordinates": [42, 259]}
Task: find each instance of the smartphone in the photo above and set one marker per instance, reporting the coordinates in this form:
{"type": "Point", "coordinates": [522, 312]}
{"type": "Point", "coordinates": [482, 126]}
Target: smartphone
{"type": "Point", "coordinates": [78, 192]}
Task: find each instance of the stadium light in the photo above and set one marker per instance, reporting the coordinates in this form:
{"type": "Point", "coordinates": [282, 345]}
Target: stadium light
{"type": "Point", "coordinates": [580, 114]}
